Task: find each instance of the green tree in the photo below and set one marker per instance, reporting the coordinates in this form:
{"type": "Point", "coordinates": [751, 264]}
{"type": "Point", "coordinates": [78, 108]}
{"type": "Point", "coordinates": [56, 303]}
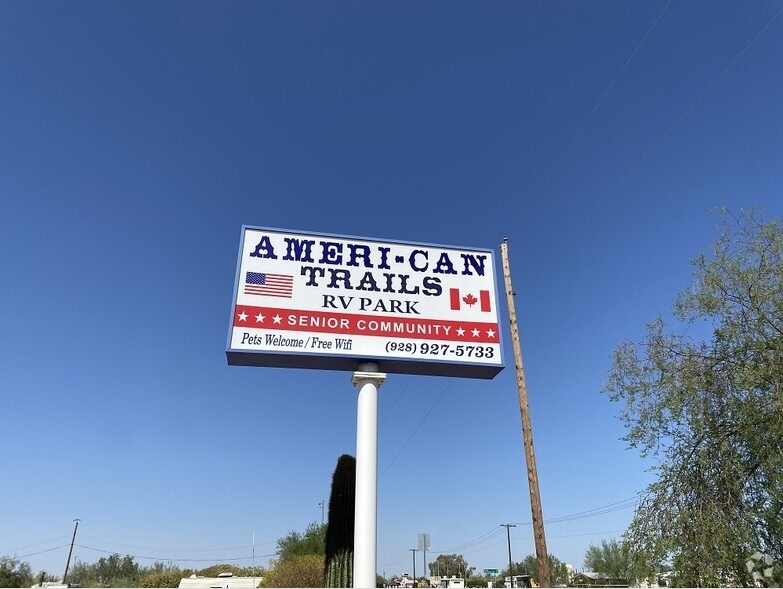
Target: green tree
{"type": "Point", "coordinates": [296, 570]}
{"type": "Point", "coordinates": [163, 567]}
{"type": "Point", "coordinates": [14, 572]}
{"type": "Point", "coordinates": [114, 570]}
{"type": "Point", "coordinates": [312, 541]}
{"type": "Point", "coordinates": [162, 579]}
{"type": "Point", "coordinates": [558, 572]}
{"type": "Point", "coordinates": [478, 581]}
{"type": "Point", "coordinates": [710, 414]}
{"type": "Point", "coordinates": [611, 558]}
{"type": "Point", "coordinates": [82, 573]}
{"type": "Point", "coordinates": [300, 560]}
{"type": "Point", "coordinates": [250, 571]}
{"type": "Point", "coordinates": [447, 565]}
{"type": "Point", "coordinates": [162, 574]}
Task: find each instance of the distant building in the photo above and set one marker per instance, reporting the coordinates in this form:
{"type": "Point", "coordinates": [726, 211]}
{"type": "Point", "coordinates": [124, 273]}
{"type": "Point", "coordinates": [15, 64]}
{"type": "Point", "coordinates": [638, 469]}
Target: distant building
{"type": "Point", "coordinates": [451, 582]}
{"type": "Point", "coordinates": [519, 581]}
{"type": "Point", "coordinates": [404, 581]}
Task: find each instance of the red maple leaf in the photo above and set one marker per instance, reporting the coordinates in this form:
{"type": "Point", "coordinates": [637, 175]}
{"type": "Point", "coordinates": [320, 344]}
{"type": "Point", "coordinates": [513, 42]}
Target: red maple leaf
{"type": "Point", "coordinates": [470, 300]}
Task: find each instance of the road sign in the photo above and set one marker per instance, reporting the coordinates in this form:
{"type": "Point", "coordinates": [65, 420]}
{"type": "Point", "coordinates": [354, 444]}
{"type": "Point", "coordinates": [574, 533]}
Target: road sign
{"type": "Point", "coordinates": [424, 542]}
{"type": "Point", "coordinates": [491, 571]}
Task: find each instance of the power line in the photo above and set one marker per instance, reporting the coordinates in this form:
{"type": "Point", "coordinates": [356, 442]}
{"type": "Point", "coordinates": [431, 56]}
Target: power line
{"type": "Point", "coordinates": [609, 89]}
{"type": "Point", "coordinates": [416, 429]}
{"type": "Point", "coordinates": [20, 548]}
{"type": "Point", "coordinates": [679, 119]}
{"type": "Point", "coordinates": [486, 537]}
{"type": "Point", "coordinates": [397, 400]}
{"type": "Point", "coordinates": [402, 557]}
{"type": "Point", "coordinates": [495, 532]}
{"type": "Point", "coordinates": [589, 534]}
{"type": "Point", "coordinates": [44, 551]}
{"type": "Point", "coordinates": [610, 508]}
{"type": "Point", "coordinates": [481, 540]}
{"type": "Point", "coordinates": [243, 547]}
{"type": "Point", "coordinates": [166, 558]}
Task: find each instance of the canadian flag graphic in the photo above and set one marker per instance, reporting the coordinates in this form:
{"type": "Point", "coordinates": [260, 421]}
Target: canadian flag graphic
{"type": "Point", "coordinates": [457, 299]}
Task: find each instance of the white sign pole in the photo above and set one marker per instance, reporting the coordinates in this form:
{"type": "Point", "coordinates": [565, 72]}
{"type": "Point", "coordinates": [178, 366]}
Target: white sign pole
{"type": "Point", "coordinates": [365, 549]}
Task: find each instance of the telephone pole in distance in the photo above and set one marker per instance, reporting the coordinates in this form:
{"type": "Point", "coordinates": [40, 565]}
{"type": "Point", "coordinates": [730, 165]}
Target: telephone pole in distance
{"type": "Point", "coordinates": [510, 562]}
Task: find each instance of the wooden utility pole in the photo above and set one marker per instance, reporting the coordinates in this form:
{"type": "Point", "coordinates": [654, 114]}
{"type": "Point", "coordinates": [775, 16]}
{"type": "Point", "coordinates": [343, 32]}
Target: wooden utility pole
{"type": "Point", "coordinates": [539, 537]}
{"type": "Point", "coordinates": [510, 562]}
{"type": "Point", "coordinates": [68, 562]}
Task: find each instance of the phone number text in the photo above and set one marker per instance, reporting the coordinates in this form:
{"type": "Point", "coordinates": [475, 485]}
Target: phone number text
{"type": "Point", "coordinates": [430, 349]}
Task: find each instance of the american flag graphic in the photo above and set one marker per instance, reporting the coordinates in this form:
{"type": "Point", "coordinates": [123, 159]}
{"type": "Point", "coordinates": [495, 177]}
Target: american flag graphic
{"type": "Point", "coordinates": [269, 285]}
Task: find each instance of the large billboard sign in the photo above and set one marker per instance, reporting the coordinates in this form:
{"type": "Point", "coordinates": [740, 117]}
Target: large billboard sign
{"type": "Point", "coordinates": [309, 300]}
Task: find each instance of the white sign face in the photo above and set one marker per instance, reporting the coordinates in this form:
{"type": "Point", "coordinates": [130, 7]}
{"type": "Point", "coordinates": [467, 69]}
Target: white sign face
{"type": "Point", "coordinates": [330, 302]}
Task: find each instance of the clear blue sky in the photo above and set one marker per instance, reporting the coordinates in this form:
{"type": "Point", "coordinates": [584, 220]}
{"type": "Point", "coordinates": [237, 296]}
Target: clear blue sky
{"type": "Point", "coordinates": [137, 138]}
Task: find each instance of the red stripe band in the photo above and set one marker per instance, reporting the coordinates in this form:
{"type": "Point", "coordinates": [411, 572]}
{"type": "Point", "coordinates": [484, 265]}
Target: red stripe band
{"type": "Point", "coordinates": [267, 318]}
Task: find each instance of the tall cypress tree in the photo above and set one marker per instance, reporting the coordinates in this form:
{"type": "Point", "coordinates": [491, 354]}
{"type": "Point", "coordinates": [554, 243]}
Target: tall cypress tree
{"type": "Point", "coordinates": [339, 528]}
